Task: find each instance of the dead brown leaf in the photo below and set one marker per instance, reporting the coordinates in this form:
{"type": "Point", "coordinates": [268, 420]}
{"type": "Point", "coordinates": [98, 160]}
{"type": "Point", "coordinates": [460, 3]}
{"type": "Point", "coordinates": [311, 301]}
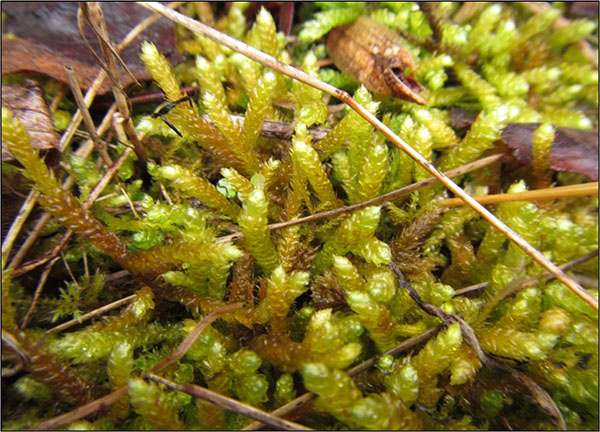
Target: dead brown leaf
{"type": "Point", "coordinates": [28, 104]}
{"type": "Point", "coordinates": [573, 150]}
{"type": "Point", "coordinates": [46, 36]}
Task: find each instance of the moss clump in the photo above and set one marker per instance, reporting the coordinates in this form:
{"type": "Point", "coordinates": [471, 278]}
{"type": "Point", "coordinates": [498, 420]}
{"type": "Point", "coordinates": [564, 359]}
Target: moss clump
{"type": "Point", "coordinates": [197, 234]}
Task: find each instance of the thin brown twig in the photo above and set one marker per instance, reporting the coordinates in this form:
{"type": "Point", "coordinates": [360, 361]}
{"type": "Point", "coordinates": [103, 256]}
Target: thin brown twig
{"type": "Point", "coordinates": [395, 194]}
{"type": "Point", "coordinates": [82, 411]}
{"type": "Point", "coordinates": [343, 96]}
{"type": "Point", "coordinates": [84, 151]}
{"type": "Point", "coordinates": [532, 280]}
{"type": "Point", "coordinates": [85, 114]}
{"type": "Point", "coordinates": [571, 191]}
{"type": "Point", "coordinates": [189, 340]}
{"type": "Point", "coordinates": [92, 314]}
{"type": "Point", "coordinates": [98, 404]}
{"type": "Point", "coordinates": [230, 404]}
{"type": "Point", "coordinates": [58, 97]}
{"type": "Point", "coordinates": [38, 292]}
{"type": "Point", "coordinates": [17, 224]}
{"type": "Point", "coordinates": [97, 19]}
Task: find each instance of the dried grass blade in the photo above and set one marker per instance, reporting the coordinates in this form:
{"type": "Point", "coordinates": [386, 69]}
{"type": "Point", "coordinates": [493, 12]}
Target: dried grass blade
{"type": "Point", "coordinates": [572, 191]}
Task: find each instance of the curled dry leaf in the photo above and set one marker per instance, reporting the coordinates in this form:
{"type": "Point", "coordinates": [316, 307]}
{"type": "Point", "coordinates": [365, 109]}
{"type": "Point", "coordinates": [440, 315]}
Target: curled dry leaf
{"type": "Point", "coordinates": [573, 150]}
{"type": "Point", "coordinates": [374, 56]}
{"type": "Point", "coordinates": [28, 104]}
{"type": "Point", "coordinates": [45, 36]}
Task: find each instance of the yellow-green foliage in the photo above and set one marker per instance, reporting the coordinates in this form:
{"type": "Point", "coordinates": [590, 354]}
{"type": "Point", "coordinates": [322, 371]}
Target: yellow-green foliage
{"type": "Point", "coordinates": [542, 140]}
{"type": "Point", "coordinates": [339, 396]}
{"type": "Point", "coordinates": [253, 222]}
{"type": "Point", "coordinates": [191, 185]}
{"type": "Point", "coordinates": [356, 235]}
{"type": "Point", "coordinates": [151, 402]}
{"type": "Point", "coordinates": [120, 364]}
{"type": "Point", "coordinates": [306, 159]}
{"type": "Point", "coordinates": [194, 230]}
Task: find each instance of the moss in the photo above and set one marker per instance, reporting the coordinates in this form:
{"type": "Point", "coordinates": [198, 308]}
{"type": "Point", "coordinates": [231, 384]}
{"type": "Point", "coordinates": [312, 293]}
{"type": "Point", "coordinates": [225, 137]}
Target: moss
{"type": "Point", "coordinates": [319, 297]}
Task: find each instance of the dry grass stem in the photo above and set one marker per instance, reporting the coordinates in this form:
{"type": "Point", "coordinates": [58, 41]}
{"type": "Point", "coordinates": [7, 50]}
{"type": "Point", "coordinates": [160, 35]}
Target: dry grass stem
{"type": "Point", "coordinates": [470, 337]}
{"type": "Point", "coordinates": [390, 196]}
{"type": "Point", "coordinates": [92, 314]}
{"type": "Point", "coordinates": [17, 224]}
{"type": "Point", "coordinates": [66, 139]}
{"type": "Point", "coordinates": [38, 292]}
{"type": "Point", "coordinates": [189, 340]}
{"type": "Point", "coordinates": [85, 114]}
{"type": "Point", "coordinates": [82, 411]}
{"type": "Point", "coordinates": [572, 191]}
{"type": "Point", "coordinates": [110, 55]}
{"type": "Point", "coordinates": [93, 196]}
{"type": "Point", "coordinates": [309, 397]}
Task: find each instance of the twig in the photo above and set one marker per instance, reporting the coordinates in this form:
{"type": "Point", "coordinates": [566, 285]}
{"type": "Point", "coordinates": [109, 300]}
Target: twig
{"type": "Point", "coordinates": [572, 191]}
{"type": "Point", "coordinates": [377, 200]}
{"type": "Point", "coordinates": [82, 411]}
{"type": "Point", "coordinates": [470, 337]}
{"type": "Point", "coordinates": [97, 19]}
{"type": "Point", "coordinates": [309, 397]}
{"type": "Point", "coordinates": [230, 404]}
{"type": "Point", "coordinates": [58, 97]}
{"type": "Point", "coordinates": [189, 340]}
{"type": "Point", "coordinates": [92, 314]}
{"type": "Point", "coordinates": [343, 96]}
{"type": "Point", "coordinates": [17, 224]}
{"type": "Point", "coordinates": [87, 118]}
{"type": "Point", "coordinates": [514, 287]}
{"type": "Point", "coordinates": [38, 292]}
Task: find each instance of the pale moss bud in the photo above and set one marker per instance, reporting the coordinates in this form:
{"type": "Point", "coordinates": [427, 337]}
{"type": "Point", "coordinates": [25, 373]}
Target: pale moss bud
{"type": "Point", "coordinates": [161, 71]}
{"type": "Point", "coordinates": [381, 286]}
{"type": "Point", "coordinates": [245, 361]}
{"type": "Point", "coordinates": [347, 274]}
{"type": "Point", "coordinates": [252, 388]}
{"type": "Point", "coordinates": [403, 382]}
{"type": "Point", "coordinates": [454, 35]}
{"type": "Point", "coordinates": [321, 334]}
{"type": "Point", "coordinates": [28, 388]}
{"type": "Point", "coordinates": [253, 222]}
{"type": "Point", "coordinates": [308, 159]}
{"type": "Point", "coordinates": [555, 320]}
{"type": "Point", "coordinates": [149, 401]}
{"type": "Point", "coordinates": [284, 389]}
{"type": "Point", "coordinates": [267, 32]}
{"type": "Point", "coordinates": [574, 31]}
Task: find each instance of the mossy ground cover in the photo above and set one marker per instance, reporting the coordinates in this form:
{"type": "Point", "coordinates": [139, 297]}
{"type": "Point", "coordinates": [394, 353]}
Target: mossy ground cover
{"type": "Point", "coordinates": [192, 230]}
